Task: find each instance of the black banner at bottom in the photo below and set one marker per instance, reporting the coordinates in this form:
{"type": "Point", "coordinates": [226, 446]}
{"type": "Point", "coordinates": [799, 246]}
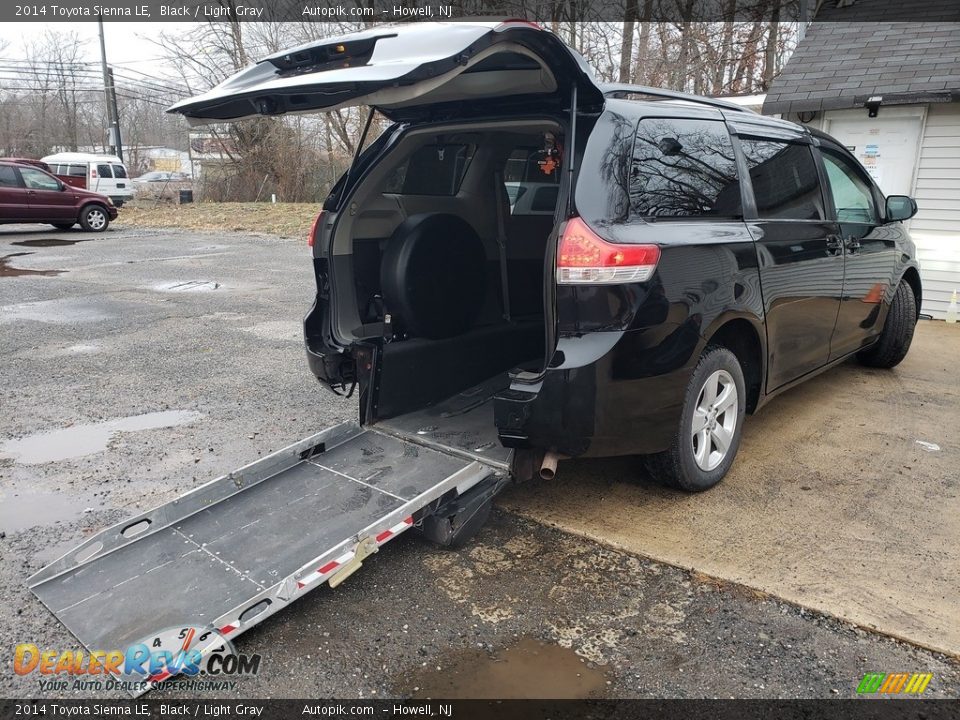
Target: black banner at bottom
{"type": "Point", "coordinates": [859, 709]}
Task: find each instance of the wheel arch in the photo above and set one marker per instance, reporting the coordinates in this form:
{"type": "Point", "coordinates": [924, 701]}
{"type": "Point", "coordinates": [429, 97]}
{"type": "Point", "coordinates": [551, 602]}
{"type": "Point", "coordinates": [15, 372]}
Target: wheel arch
{"type": "Point", "coordinates": [911, 276]}
{"type": "Point", "coordinates": [741, 336]}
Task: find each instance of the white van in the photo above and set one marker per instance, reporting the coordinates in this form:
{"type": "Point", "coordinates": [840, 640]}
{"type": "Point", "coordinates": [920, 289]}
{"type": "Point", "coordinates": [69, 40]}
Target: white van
{"type": "Point", "coordinates": [104, 174]}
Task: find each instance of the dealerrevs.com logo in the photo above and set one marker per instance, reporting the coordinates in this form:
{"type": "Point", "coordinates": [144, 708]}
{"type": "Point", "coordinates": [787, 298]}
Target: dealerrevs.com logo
{"type": "Point", "coordinates": [894, 683]}
{"type": "Point", "coordinates": [206, 659]}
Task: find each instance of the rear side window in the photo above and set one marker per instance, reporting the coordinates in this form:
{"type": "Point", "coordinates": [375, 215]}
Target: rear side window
{"type": "Point", "coordinates": [119, 171]}
{"type": "Point", "coordinates": [103, 170]}
{"type": "Point", "coordinates": [683, 169]}
{"type": "Point", "coordinates": [73, 170]}
{"type": "Point", "coordinates": [8, 177]}
{"type": "Point", "coordinates": [432, 170]}
{"type": "Point", "coordinates": [784, 179]}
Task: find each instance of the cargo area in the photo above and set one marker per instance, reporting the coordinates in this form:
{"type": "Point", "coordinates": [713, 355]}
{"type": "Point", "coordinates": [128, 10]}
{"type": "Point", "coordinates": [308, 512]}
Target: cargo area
{"type": "Point", "coordinates": [439, 261]}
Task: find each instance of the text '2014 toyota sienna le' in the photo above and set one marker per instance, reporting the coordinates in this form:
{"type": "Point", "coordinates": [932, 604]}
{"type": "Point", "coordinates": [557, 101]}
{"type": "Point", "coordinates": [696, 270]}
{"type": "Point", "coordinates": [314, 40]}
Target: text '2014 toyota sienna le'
{"type": "Point", "coordinates": [528, 265]}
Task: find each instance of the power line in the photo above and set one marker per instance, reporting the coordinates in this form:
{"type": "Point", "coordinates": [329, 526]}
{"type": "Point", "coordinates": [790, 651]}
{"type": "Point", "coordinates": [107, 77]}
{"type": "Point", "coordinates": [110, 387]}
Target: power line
{"type": "Point", "coordinates": [56, 67]}
{"type": "Point", "coordinates": [90, 75]}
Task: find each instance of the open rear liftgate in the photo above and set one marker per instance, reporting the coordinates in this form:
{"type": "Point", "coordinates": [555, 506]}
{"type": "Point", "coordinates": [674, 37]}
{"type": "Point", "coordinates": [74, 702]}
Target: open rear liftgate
{"type": "Point", "coordinates": [232, 552]}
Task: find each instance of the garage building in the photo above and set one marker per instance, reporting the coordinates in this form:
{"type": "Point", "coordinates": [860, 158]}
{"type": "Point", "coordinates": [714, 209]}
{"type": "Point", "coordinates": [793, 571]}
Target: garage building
{"type": "Point", "coordinates": [890, 91]}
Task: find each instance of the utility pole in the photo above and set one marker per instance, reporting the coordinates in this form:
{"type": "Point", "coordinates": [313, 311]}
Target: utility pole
{"type": "Point", "coordinates": [110, 94]}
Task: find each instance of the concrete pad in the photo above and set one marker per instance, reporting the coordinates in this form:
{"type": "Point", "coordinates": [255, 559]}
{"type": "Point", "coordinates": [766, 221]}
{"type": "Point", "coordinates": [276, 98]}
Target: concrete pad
{"type": "Point", "coordinates": [832, 502]}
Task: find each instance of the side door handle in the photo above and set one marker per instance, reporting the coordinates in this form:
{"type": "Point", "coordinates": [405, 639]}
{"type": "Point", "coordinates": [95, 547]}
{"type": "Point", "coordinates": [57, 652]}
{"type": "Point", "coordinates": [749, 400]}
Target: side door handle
{"type": "Point", "coordinates": [834, 244]}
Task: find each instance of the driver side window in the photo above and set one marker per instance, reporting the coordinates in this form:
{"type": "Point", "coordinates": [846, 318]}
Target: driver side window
{"type": "Point", "coordinates": [36, 180]}
{"type": "Point", "coordinates": [852, 196]}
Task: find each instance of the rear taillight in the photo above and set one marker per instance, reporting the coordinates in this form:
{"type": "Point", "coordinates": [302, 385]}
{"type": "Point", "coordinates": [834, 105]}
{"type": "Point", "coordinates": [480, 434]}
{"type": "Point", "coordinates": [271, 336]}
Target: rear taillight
{"type": "Point", "coordinates": [313, 229]}
{"type": "Point", "coordinates": [584, 258]}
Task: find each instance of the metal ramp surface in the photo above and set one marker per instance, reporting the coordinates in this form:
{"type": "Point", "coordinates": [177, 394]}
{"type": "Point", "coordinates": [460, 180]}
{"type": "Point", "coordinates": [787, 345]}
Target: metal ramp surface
{"type": "Point", "coordinates": [232, 552]}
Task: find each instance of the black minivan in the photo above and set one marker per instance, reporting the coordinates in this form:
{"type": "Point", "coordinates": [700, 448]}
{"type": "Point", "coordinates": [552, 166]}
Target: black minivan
{"type": "Point", "coordinates": [527, 265]}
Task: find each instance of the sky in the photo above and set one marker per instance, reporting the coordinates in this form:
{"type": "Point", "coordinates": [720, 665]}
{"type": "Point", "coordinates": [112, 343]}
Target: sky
{"type": "Point", "coordinates": [128, 43]}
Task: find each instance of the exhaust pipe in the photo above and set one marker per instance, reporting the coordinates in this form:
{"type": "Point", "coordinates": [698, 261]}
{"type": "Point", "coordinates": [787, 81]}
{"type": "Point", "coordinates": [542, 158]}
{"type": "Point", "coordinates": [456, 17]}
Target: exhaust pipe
{"type": "Point", "coordinates": [548, 468]}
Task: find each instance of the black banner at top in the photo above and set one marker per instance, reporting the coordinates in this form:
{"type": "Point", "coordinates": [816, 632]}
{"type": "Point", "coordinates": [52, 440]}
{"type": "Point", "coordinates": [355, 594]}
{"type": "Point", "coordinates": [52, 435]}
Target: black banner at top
{"type": "Point", "coordinates": [541, 11]}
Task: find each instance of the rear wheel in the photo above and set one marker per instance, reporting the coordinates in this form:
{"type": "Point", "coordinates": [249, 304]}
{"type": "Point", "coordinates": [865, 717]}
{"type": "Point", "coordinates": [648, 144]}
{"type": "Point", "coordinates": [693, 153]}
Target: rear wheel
{"type": "Point", "coordinates": [897, 333]}
{"type": "Point", "coordinates": [708, 437]}
{"type": "Point", "coordinates": [94, 218]}
{"type": "Point", "coordinates": [63, 226]}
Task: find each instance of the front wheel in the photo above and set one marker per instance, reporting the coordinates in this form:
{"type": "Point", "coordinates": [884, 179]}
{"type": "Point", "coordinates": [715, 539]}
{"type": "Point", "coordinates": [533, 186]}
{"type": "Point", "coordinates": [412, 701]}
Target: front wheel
{"type": "Point", "coordinates": [94, 218]}
{"type": "Point", "coordinates": [897, 333]}
{"type": "Point", "coordinates": [711, 424]}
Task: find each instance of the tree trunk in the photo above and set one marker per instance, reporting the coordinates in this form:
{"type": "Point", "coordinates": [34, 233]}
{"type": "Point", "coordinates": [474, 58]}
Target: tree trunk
{"type": "Point", "coordinates": [770, 51]}
{"type": "Point", "coordinates": [641, 72]}
{"type": "Point", "coordinates": [626, 42]}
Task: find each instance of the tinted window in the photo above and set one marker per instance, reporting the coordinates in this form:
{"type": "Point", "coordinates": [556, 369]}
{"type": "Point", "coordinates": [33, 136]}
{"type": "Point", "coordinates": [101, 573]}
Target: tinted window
{"type": "Point", "coordinates": [545, 199]}
{"type": "Point", "coordinates": [8, 178]}
{"type": "Point", "coordinates": [851, 193]}
{"type": "Point", "coordinates": [523, 173]}
{"type": "Point", "coordinates": [38, 180]}
{"type": "Point", "coordinates": [432, 170]}
{"type": "Point", "coordinates": [683, 169]}
{"type": "Point", "coordinates": [103, 170]}
{"type": "Point", "coordinates": [73, 170]}
{"type": "Point", "coordinates": [119, 171]}
{"type": "Point", "coordinates": [784, 179]}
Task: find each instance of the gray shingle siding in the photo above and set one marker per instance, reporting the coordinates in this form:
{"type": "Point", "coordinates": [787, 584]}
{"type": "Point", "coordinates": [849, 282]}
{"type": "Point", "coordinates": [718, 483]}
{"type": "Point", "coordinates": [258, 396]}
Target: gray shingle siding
{"type": "Point", "coordinates": [839, 64]}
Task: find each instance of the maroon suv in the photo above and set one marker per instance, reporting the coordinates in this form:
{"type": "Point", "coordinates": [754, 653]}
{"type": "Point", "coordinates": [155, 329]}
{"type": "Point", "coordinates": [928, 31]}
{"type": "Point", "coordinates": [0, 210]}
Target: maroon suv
{"type": "Point", "coordinates": [31, 195]}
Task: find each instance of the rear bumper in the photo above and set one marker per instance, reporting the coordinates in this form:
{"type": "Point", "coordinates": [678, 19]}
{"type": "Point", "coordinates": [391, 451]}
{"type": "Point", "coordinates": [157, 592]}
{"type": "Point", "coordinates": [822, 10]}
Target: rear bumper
{"type": "Point", "coordinates": [612, 393]}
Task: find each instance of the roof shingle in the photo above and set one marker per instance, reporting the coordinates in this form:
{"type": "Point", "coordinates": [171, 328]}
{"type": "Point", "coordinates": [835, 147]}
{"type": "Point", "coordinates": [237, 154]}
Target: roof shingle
{"type": "Point", "coordinates": [840, 64]}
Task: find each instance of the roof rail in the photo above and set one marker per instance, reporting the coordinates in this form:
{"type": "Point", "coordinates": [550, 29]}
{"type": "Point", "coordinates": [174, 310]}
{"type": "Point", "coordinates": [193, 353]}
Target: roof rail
{"type": "Point", "coordinates": [614, 89]}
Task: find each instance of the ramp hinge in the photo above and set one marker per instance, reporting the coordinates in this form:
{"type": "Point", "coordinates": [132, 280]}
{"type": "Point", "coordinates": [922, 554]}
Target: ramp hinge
{"type": "Point", "coordinates": [365, 548]}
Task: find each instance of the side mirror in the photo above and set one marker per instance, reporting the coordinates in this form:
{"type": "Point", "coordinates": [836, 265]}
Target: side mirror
{"type": "Point", "coordinates": [900, 207]}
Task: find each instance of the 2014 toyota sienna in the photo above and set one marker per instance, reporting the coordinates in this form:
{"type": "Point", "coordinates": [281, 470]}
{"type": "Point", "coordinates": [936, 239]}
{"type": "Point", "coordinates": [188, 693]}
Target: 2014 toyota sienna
{"type": "Point", "coordinates": [678, 261]}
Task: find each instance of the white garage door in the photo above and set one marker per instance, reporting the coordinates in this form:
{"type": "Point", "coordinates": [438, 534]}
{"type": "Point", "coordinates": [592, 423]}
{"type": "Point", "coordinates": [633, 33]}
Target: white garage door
{"type": "Point", "coordinates": [887, 145]}
{"type": "Point", "coordinates": [928, 168]}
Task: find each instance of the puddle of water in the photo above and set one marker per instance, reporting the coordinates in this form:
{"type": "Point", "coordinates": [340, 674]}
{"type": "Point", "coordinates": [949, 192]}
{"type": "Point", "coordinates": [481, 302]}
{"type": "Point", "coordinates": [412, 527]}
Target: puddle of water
{"type": "Point", "coordinates": [49, 242]}
{"type": "Point", "coordinates": [188, 286]}
{"type": "Point", "coordinates": [80, 440]}
{"type": "Point", "coordinates": [61, 312]}
{"type": "Point", "coordinates": [26, 510]}
{"type": "Point", "coordinates": [6, 270]}
{"type": "Point", "coordinates": [528, 669]}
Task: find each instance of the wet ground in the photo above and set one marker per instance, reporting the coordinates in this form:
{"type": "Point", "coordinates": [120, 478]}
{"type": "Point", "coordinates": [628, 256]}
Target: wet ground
{"type": "Point", "coordinates": [155, 361]}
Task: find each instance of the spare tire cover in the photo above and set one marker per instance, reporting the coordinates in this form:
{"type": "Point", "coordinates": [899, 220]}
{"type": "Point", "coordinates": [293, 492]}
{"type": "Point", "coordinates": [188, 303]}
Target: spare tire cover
{"type": "Point", "coordinates": [433, 275]}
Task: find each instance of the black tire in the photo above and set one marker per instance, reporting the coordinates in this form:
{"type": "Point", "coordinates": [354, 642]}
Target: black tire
{"type": "Point", "coordinates": [897, 333]}
{"type": "Point", "coordinates": [94, 218]}
{"type": "Point", "coordinates": [679, 467]}
{"type": "Point", "coordinates": [63, 226]}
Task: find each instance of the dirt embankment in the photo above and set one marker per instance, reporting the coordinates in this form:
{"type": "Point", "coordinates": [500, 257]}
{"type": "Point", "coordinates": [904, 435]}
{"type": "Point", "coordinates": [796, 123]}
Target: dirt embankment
{"type": "Point", "coordinates": [284, 219]}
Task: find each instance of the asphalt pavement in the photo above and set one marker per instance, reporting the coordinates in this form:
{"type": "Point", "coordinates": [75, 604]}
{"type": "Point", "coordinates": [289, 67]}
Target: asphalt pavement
{"type": "Point", "coordinates": [139, 364]}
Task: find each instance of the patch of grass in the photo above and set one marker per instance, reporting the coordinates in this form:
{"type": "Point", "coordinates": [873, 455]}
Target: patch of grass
{"type": "Point", "coordinates": [284, 219]}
